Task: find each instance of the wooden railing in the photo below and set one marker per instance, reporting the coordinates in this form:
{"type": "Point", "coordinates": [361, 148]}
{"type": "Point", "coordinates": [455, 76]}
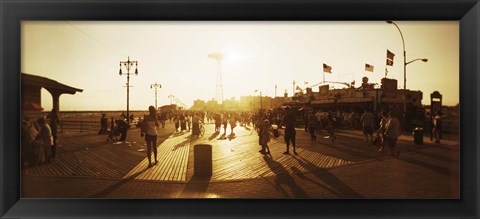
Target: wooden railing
{"type": "Point", "coordinates": [86, 125]}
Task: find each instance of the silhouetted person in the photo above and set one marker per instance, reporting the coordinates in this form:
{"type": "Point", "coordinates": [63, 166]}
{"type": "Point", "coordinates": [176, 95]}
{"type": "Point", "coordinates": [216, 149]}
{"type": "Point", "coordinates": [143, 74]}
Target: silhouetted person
{"type": "Point", "coordinates": [437, 126]}
{"type": "Point", "coordinates": [264, 135]}
{"type": "Point", "coordinates": [290, 133]}
{"type": "Point", "coordinates": [54, 121]}
{"type": "Point", "coordinates": [367, 124]}
{"type": "Point", "coordinates": [103, 125]}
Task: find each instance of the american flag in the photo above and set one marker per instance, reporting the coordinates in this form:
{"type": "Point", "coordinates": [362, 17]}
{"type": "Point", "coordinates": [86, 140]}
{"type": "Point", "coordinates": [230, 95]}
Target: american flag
{"type": "Point", "coordinates": [326, 68]}
{"type": "Point", "coordinates": [369, 67]}
{"type": "Point", "coordinates": [390, 56]}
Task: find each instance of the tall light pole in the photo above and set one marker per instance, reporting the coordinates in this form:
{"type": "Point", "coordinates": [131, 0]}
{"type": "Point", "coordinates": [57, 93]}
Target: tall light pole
{"type": "Point", "coordinates": [128, 64]}
{"type": "Point", "coordinates": [404, 68]}
{"type": "Point", "coordinates": [219, 86]}
{"type": "Point", "coordinates": [254, 94]}
{"type": "Point", "coordinates": [261, 105]}
{"type": "Point", "coordinates": [405, 63]}
{"type": "Point", "coordinates": [156, 86]}
{"type": "Point", "coordinates": [171, 97]}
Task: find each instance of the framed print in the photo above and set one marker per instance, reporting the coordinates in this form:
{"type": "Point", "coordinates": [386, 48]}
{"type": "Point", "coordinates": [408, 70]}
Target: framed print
{"type": "Point", "coordinates": [239, 109]}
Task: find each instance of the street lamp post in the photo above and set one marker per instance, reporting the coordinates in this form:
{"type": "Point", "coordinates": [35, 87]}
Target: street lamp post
{"type": "Point", "coordinates": [254, 94]}
{"type": "Point", "coordinates": [128, 64]}
{"type": "Point", "coordinates": [171, 97]}
{"type": "Point", "coordinates": [404, 68]}
{"type": "Point", "coordinates": [261, 105]}
{"type": "Point", "coordinates": [405, 63]}
{"type": "Point", "coordinates": [156, 86]}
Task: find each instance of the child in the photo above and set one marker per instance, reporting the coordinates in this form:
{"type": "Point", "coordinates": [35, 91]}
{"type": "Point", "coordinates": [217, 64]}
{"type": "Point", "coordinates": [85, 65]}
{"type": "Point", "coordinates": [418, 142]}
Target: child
{"type": "Point", "coordinates": [264, 135]}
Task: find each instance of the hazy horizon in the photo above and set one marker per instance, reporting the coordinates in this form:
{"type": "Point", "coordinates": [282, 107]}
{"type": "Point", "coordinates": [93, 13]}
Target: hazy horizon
{"type": "Point", "coordinates": [259, 55]}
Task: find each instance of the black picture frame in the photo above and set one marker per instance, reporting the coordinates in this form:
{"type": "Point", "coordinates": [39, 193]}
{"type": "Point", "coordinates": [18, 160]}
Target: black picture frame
{"type": "Point", "coordinates": [13, 12]}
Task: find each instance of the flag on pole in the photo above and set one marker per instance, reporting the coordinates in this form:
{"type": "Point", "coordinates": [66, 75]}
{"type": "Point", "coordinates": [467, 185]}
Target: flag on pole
{"type": "Point", "coordinates": [326, 68]}
{"type": "Point", "coordinates": [390, 56]}
{"type": "Point", "coordinates": [369, 67]}
{"type": "Point", "coordinates": [305, 82]}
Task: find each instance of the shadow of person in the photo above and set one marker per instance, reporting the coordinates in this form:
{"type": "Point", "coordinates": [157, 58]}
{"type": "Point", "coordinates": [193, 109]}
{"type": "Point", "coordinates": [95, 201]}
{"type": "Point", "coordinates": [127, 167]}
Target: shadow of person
{"type": "Point", "coordinates": [213, 136]}
{"type": "Point", "coordinates": [283, 178]}
{"type": "Point", "coordinates": [299, 173]}
{"type": "Point", "coordinates": [330, 179]}
{"type": "Point", "coordinates": [231, 136]}
{"type": "Point", "coordinates": [196, 187]}
{"type": "Point", "coordinates": [184, 143]}
{"type": "Point", "coordinates": [115, 186]}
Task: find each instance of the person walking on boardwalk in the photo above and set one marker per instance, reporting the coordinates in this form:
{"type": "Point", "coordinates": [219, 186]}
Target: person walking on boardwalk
{"type": "Point", "coordinates": [233, 124]}
{"type": "Point", "coordinates": [392, 132]}
{"type": "Point", "coordinates": [290, 133]}
{"type": "Point", "coordinates": [382, 129]}
{"type": "Point", "coordinates": [196, 125]}
{"type": "Point", "coordinates": [312, 126]}
{"type": "Point", "coordinates": [264, 136]}
{"type": "Point", "coordinates": [123, 127]}
{"type": "Point", "coordinates": [331, 127]}
{"type": "Point", "coordinates": [54, 121]}
{"type": "Point", "coordinates": [103, 125]}
{"type": "Point", "coordinates": [218, 122]}
{"type": "Point", "coordinates": [367, 124]}
{"type": "Point", "coordinates": [225, 123]}
{"type": "Point", "coordinates": [437, 126]}
{"type": "Point", "coordinates": [149, 130]}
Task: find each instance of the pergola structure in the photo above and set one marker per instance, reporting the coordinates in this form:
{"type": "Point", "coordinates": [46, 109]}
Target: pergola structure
{"type": "Point", "coordinates": [32, 85]}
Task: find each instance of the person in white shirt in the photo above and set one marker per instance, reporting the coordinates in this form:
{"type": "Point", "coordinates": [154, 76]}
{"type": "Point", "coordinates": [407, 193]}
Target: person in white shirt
{"type": "Point", "coordinates": [392, 131]}
{"type": "Point", "coordinates": [149, 130]}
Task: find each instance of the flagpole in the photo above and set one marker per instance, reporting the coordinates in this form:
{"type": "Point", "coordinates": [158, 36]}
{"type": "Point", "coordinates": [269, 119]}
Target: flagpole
{"type": "Point", "coordinates": [323, 77]}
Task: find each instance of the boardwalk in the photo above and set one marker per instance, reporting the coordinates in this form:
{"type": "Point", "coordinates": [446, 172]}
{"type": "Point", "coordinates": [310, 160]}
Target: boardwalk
{"type": "Point", "coordinates": [88, 166]}
{"type": "Point", "coordinates": [234, 158]}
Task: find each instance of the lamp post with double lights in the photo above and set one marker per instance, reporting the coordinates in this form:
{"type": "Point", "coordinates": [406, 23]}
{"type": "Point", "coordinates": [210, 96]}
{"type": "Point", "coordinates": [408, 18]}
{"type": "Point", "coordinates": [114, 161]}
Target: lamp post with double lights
{"type": "Point", "coordinates": [405, 63]}
{"type": "Point", "coordinates": [155, 86]}
{"type": "Point", "coordinates": [128, 65]}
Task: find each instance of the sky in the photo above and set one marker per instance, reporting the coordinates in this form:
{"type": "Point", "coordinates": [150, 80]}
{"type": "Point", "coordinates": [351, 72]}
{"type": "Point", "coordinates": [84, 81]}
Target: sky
{"type": "Point", "coordinates": [258, 56]}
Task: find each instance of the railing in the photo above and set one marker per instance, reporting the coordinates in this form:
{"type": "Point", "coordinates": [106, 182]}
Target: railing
{"type": "Point", "coordinates": [81, 126]}
{"type": "Point", "coordinates": [86, 125]}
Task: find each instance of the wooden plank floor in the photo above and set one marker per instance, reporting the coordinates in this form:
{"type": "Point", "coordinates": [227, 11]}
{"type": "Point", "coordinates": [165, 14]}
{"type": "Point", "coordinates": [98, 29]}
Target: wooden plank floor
{"type": "Point", "coordinates": [172, 164]}
{"type": "Point", "coordinates": [234, 158]}
{"type": "Point", "coordinates": [238, 158]}
{"type": "Point", "coordinates": [109, 160]}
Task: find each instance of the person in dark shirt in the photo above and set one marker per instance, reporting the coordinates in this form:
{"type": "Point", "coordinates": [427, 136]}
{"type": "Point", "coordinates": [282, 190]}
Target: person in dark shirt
{"type": "Point", "coordinates": [290, 133]}
{"type": "Point", "coordinates": [103, 125]}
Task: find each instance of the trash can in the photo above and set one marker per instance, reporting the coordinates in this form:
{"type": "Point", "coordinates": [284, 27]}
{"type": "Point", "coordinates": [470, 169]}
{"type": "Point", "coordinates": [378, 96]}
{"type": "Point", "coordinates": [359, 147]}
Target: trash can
{"type": "Point", "coordinates": [418, 136]}
{"type": "Point", "coordinates": [202, 160]}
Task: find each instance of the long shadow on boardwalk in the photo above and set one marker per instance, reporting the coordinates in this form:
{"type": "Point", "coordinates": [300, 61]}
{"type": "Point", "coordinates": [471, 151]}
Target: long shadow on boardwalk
{"type": "Point", "coordinates": [435, 168]}
{"type": "Point", "coordinates": [196, 187]}
{"type": "Point", "coordinates": [284, 178]}
{"type": "Point", "coordinates": [342, 188]}
{"type": "Point", "coordinates": [110, 189]}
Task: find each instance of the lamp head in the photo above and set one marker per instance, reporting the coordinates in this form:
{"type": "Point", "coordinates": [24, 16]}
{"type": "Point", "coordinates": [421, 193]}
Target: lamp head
{"type": "Point", "coordinates": [389, 22]}
{"type": "Point", "coordinates": [120, 72]}
{"type": "Point", "coordinates": [425, 60]}
{"type": "Point", "coordinates": [136, 71]}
